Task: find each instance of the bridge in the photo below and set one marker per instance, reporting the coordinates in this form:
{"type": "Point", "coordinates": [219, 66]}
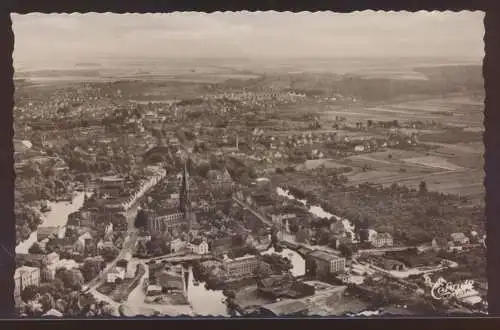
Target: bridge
{"type": "Point", "coordinates": [386, 249]}
{"type": "Point", "coordinates": [177, 258]}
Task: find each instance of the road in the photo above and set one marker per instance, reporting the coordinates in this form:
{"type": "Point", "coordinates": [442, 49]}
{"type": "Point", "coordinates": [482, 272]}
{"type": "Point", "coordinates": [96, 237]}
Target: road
{"type": "Point", "coordinates": [387, 249]}
{"type": "Point", "coordinates": [127, 249]}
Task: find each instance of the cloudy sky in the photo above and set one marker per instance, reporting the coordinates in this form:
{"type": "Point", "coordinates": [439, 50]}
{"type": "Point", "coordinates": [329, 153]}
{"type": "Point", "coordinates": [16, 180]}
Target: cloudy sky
{"type": "Point", "coordinates": [86, 37]}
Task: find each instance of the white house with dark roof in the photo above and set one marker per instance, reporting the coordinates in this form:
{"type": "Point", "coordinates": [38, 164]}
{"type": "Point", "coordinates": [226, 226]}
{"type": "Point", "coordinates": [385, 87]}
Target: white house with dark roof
{"type": "Point", "coordinates": [459, 238]}
{"type": "Point", "coordinates": [198, 246]}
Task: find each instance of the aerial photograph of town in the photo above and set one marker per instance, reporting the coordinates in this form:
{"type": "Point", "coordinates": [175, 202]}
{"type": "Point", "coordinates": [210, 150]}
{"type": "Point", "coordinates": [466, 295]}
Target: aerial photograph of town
{"type": "Point", "coordinates": [249, 164]}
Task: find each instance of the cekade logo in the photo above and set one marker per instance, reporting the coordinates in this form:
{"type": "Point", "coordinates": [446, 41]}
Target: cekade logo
{"type": "Point", "coordinates": [442, 289]}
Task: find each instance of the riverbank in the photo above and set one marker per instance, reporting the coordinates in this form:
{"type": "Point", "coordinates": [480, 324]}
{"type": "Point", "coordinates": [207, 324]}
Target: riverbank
{"type": "Point", "coordinates": [318, 211]}
{"type": "Point", "coordinates": [56, 217]}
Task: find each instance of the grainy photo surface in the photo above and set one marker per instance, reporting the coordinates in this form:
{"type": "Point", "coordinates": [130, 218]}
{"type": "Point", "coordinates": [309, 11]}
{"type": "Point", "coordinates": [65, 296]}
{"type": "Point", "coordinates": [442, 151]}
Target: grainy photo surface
{"type": "Point", "coordinates": [249, 164]}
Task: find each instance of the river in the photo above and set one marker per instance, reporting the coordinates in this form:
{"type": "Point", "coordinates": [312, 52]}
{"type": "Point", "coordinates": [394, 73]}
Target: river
{"type": "Point", "coordinates": [319, 211]}
{"type": "Point", "coordinates": [58, 216]}
{"type": "Point", "coordinates": [210, 302]}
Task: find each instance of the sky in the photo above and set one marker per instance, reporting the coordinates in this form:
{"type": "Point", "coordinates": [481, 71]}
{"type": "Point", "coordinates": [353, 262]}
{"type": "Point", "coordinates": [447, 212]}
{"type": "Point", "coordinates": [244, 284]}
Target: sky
{"type": "Point", "coordinates": [87, 37]}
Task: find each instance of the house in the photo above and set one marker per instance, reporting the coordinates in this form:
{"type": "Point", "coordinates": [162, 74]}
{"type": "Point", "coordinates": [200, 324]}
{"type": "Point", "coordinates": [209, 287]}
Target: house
{"type": "Point", "coordinates": [83, 238]}
{"type": "Point", "coordinates": [50, 232]}
{"type": "Point", "coordinates": [390, 264]}
{"type": "Point", "coordinates": [153, 290]}
{"type": "Point", "coordinates": [117, 273]}
{"type": "Point", "coordinates": [288, 307]}
{"type": "Point", "coordinates": [78, 247]}
{"type": "Point", "coordinates": [109, 229]}
{"type": "Point", "coordinates": [382, 239]}
{"type": "Point", "coordinates": [198, 246]}
{"type": "Point", "coordinates": [459, 239]}
{"type": "Point", "coordinates": [178, 245]}
{"type": "Point", "coordinates": [327, 263]}
{"type": "Point", "coordinates": [359, 148]}
{"type": "Point", "coordinates": [25, 276]}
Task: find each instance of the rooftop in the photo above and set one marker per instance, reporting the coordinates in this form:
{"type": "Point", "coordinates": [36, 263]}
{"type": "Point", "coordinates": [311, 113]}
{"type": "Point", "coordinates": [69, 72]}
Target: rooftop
{"type": "Point", "coordinates": [25, 269]}
{"type": "Point", "coordinates": [286, 307]}
{"type": "Point", "coordinates": [322, 255]}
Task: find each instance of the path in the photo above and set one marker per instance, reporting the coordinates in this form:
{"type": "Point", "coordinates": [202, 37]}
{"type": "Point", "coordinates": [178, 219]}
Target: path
{"type": "Point", "coordinates": [255, 213]}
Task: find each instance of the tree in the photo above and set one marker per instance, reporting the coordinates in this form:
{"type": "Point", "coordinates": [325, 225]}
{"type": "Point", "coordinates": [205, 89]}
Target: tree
{"type": "Point", "coordinates": [36, 249]}
{"type": "Point", "coordinates": [47, 302]}
{"type": "Point", "coordinates": [278, 263]}
{"type": "Point", "coordinates": [157, 245]}
{"type": "Point", "coordinates": [364, 235]}
{"type": "Point", "coordinates": [422, 188]}
{"type": "Point", "coordinates": [310, 266]}
{"type": "Point", "coordinates": [29, 293]}
{"type": "Point", "coordinates": [141, 220]}
{"type": "Point", "coordinates": [109, 253]}
{"type": "Point", "coordinates": [346, 250]}
{"type": "Point", "coordinates": [91, 268]}
{"type": "Point", "coordinates": [263, 270]}
{"type": "Point", "coordinates": [71, 278]}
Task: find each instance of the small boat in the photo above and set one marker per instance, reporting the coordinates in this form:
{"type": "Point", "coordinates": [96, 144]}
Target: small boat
{"type": "Point", "coordinates": [196, 283]}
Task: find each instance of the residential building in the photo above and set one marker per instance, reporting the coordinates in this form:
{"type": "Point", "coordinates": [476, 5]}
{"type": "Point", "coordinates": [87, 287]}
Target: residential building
{"type": "Point", "coordinates": [459, 238]}
{"type": "Point", "coordinates": [198, 246]}
{"type": "Point", "coordinates": [382, 239]}
{"type": "Point", "coordinates": [327, 263]}
{"type": "Point", "coordinates": [171, 278]}
{"type": "Point", "coordinates": [84, 238]}
{"type": "Point", "coordinates": [52, 258]}
{"type": "Point", "coordinates": [25, 276]}
{"type": "Point", "coordinates": [117, 273]}
{"type": "Point", "coordinates": [178, 245]}
{"type": "Point", "coordinates": [165, 222]}
{"type": "Point", "coordinates": [240, 267]}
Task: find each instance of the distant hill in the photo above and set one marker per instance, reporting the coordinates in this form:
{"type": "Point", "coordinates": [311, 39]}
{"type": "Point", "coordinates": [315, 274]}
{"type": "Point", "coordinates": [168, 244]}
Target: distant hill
{"type": "Point", "coordinates": [88, 65]}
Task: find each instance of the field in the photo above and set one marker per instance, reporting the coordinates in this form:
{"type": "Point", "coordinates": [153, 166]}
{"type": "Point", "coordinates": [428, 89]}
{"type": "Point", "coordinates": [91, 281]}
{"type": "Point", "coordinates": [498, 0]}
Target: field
{"type": "Point", "coordinates": [458, 110]}
{"type": "Point", "coordinates": [453, 169]}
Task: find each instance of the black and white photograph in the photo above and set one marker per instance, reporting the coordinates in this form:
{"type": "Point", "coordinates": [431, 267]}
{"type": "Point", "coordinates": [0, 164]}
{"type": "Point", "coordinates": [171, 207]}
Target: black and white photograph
{"type": "Point", "coordinates": [249, 164]}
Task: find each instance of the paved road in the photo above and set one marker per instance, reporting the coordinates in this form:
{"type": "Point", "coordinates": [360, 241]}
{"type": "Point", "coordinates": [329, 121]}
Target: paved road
{"type": "Point", "coordinates": [127, 249]}
{"type": "Point", "coordinates": [387, 249]}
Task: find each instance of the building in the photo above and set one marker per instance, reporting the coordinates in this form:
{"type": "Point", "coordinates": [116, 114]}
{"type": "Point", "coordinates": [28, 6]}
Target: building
{"type": "Point", "coordinates": [382, 239]}
{"type": "Point", "coordinates": [117, 273]}
{"type": "Point", "coordinates": [25, 276]}
{"type": "Point", "coordinates": [459, 238]}
{"type": "Point", "coordinates": [240, 267]}
{"type": "Point", "coordinates": [44, 232]}
{"type": "Point", "coordinates": [327, 263]}
{"type": "Point", "coordinates": [171, 278]}
{"type": "Point", "coordinates": [84, 238]}
{"type": "Point", "coordinates": [178, 245]}
{"type": "Point", "coordinates": [221, 244]}
{"type": "Point", "coordinates": [288, 307]}
{"type": "Point", "coordinates": [111, 186]}
{"type": "Point", "coordinates": [198, 246]}
{"type": "Point", "coordinates": [164, 222]}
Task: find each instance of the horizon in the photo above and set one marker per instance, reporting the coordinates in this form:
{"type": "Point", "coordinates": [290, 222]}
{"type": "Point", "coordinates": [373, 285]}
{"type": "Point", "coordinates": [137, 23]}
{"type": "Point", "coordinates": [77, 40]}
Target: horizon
{"type": "Point", "coordinates": [264, 36]}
